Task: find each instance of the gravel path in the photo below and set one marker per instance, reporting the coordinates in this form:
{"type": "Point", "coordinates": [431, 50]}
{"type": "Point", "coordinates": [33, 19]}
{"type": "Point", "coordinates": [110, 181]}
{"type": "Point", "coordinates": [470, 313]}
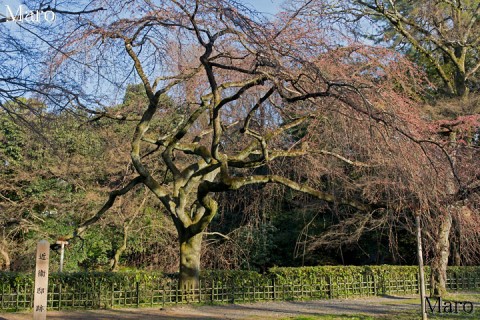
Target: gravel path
{"type": "Point", "coordinates": [265, 310]}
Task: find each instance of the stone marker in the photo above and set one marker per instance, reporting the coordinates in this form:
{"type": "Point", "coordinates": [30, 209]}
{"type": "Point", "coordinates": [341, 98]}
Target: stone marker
{"type": "Point", "coordinates": [41, 281]}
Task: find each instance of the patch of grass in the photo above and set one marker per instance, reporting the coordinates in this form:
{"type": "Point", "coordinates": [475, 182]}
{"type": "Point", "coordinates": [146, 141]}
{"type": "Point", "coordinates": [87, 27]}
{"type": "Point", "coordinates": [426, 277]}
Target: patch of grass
{"type": "Point", "coordinates": [405, 315]}
{"type": "Point", "coordinates": [331, 317]}
{"type": "Point", "coordinates": [412, 301]}
{"type": "Point", "coordinates": [473, 296]}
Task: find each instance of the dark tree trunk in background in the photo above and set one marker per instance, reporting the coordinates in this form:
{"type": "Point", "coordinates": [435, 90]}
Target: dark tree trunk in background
{"type": "Point", "coordinates": [456, 240]}
{"type": "Point", "coordinates": [119, 251]}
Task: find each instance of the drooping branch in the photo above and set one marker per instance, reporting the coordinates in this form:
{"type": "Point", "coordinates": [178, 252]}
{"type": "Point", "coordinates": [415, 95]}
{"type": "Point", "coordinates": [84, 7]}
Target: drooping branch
{"type": "Point", "coordinates": [235, 183]}
{"type": "Point", "coordinates": [255, 108]}
{"type": "Point", "coordinates": [111, 200]}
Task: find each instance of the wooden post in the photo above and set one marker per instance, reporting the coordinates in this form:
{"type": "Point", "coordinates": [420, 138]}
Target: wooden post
{"type": "Point", "coordinates": [253, 285]}
{"type": "Point", "coordinates": [273, 288]}
{"type": "Point", "coordinates": [125, 291]}
{"type": "Point", "coordinates": [233, 291]}
{"type": "Point", "coordinates": [17, 297]}
{"type": "Point", "coordinates": [301, 288]}
{"type": "Point", "coordinates": [59, 296]}
{"type": "Point", "coordinates": [99, 295]}
{"type": "Point", "coordinates": [176, 293]}
{"type": "Point", "coordinates": [163, 296]}
{"type": "Point", "coordinates": [421, 274]}
{"type": "Point", "coordinates": [137, 289]}
{"type": "Point", "coordinates": [243, 291]}
{"type": "Point", "coordinates": [62, 249]}
{"type": "Point", "coordinates": [330, 287]}
{"type": "Point", "coordinates": [112, 298]}
{"type": "Point", "coordinates": [212, 293]}
{"type": "Point", "coordinates": [41, 281]}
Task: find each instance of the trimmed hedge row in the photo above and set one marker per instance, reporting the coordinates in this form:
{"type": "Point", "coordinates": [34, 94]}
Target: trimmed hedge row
{"type": "Point", "coordinates": [313, 274]}
{"type": "Point", "coordinates": [141, 288]}
{"type": "Point", "coordinates": [287, 275]}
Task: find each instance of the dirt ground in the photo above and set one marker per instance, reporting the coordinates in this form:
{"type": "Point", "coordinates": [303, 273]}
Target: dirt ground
{"type": "Point", "coordinates": [267, 310]}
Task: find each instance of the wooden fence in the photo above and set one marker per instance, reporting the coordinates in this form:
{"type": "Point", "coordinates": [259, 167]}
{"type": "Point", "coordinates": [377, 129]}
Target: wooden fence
{"type": "Point", "coordinates": [138, 293]}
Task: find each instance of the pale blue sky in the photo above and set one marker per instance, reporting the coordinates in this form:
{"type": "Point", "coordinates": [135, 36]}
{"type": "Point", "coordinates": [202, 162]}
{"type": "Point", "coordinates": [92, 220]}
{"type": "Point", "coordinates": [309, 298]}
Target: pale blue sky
{"type": "Point", "coordinates": [12, 3]}
{"type": "Point", "coordinates": [266, 6]}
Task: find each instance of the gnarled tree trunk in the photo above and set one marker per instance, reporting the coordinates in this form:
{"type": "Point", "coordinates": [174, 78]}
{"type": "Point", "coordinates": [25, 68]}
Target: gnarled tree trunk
{"type": "Point", "coordinates": [438, 279]}
{"type": "Point", "coordinates": [190, 251]}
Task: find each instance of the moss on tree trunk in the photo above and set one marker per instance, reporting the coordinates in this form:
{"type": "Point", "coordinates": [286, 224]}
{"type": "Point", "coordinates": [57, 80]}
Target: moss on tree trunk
{"type": "Point", "coordinates": [190, 251]}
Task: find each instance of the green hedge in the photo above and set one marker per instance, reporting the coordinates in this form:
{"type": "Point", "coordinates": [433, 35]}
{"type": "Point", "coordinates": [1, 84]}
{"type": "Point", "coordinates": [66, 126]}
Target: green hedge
{"type": "Point", "coordinates": [386, 271]}
{"type": "Point", "coordinates": [281, 275]}
{"type": "Point", "coordinates": [312, 274]}
{"type": "Point", "coordinates": [144, 288]}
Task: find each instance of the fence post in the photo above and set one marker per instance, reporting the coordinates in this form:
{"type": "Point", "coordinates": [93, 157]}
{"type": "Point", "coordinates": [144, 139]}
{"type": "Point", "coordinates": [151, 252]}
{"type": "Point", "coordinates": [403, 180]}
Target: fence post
{"type": "Point", "coordinates": [273, 288]}
{"type": "Point", "coordinates": [200, 291]}
{"type": "Point", "coordinates": [163, 296]}
{"type": "Point", "coordinates": [212, 292]}
{"type": "Point", "coordinates": [60, 296]}
{"type": "Point", "coordinates": [243, 290]}
{"type": "Point", "coordinates": [253, 285]}
{"type": "Point", "coordinates": [176, 291]}
{"type": "Point", "coordinates": [137, 289]}
{"type": "Point", "coordinates": [330, 288]}
{"type": "Point", "coordinates": [152, 293]}
{"type": "Point", "coordinates": [301, 288]}
{"type": "Point", "coordinates": [112, 297]}
{"type": "Point", "coordinates": [469, 286]}
{"type": "Point", "coordinates": [125, 294]}
{"type": "Point", "coordinates": [3, 295]}
{"type": "Point", "coordinates": [384, 285]}
{"type": "Point", "coordinates": [456, 281]}
{"type": "Point", "coordinates": [99, 295]}
{"type": "Point", "coordinates": [73, 295]}
{"type": "Point", "coordinates": [16, 298]}
{"type": "Point", "coordinates": [371, 285]}
{"type": "Point", "coordinates": [233, 290]}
